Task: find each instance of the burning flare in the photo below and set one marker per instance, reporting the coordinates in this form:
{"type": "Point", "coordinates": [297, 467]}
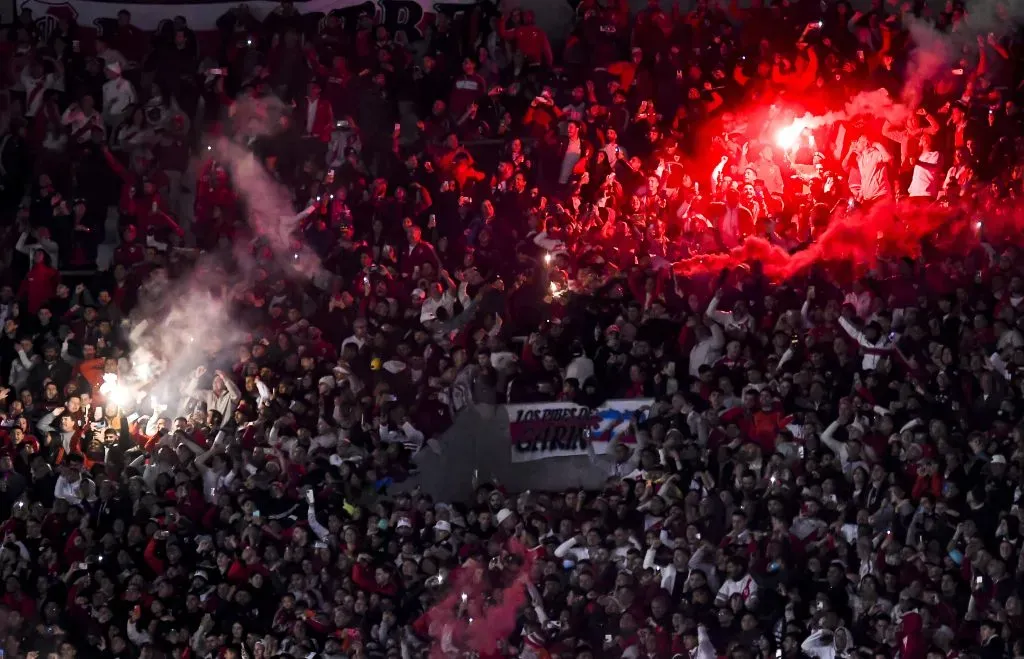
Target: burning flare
{"type": "Point", "coordinates": [788, 137]}
{"type": "Point", "coordinates": [114, 392]}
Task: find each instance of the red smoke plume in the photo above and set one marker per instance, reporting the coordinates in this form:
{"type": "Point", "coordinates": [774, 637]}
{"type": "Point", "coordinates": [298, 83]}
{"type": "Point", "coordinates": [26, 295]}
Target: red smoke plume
{"type": "Point", "coordinates": [475, 615]}
{"type": "Point", "coordinates": [862, 238]}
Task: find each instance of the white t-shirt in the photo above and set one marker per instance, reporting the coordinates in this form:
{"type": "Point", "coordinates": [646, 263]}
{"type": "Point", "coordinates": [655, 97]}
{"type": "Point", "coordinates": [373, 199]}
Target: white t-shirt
{"type": "Point", "coordinates": [430, 306]}
{"type": "Point", "coordinates": [118, 94]}
{"type": "Point", "coordinates": [746, 587]}
{"type": "Point", "coordinates": [874, 179]}
{"type": "Point", "coordinates": [925, 182]}
{"type": "Point", "coordinates": [573, 153]}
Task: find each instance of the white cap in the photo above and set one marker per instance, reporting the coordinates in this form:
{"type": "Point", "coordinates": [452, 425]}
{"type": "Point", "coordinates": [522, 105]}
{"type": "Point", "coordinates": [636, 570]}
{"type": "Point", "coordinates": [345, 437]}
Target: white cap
{"type": "Point", "coordinates": [442, 525]}
{"type": "Point", "coordinates": [503, 514]}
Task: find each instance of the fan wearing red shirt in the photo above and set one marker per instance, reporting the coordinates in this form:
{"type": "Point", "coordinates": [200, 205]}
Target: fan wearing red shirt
{"type": "Point", "coordinates": [768, 421]}
{"type": "Point", "coordinates": [315, 115]}
{"type": "Point", "coordinates": [41, 282]}
{"type": "Point", "coordinates": [529, 40]}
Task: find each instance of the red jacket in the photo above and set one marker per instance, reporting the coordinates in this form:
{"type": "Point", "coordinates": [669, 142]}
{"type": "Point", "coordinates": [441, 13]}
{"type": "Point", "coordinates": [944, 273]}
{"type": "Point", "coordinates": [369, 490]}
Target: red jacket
{"type": "Point", "coordinates": [323, 119]}
{"type": "Point", "coordinates": [155, 563]}
{"type": "Point", "coordinates": [530, 40]}
{"type": "Point", "coordinates": [912, 644]}
{"type": "Point", "coordinates": [39, 286]}
{"type": "Point", "coordinates": [927, 485]}
{"type": "Point", "coordinates": [415, 257]}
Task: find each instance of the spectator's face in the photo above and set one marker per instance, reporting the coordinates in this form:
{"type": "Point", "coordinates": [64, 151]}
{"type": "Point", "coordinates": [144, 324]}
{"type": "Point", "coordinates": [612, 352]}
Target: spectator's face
{"type": "Point", "coordinates": [468, 67]}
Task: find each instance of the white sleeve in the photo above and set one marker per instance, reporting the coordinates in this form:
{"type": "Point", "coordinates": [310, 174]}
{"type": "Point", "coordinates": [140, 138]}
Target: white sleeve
{"type": "Point", "coordinates": [137, 637]}
{"type": "Point", "coordinates": [314, 525]}
{"type": "Point", "coordinates": [813, 647]}
{"type": "Point", "coordinates": [412, 434]}
{"type": "Point", "coordinates": [668, 577]}
{"type": "Point", "coordinates": [854, 333]}
{"type": "Point", "coordinates": [723, 594]}
{"type": "Point", "coordinates": [705, 648]}
{"type": "Point", "coordinates": [565, 547]}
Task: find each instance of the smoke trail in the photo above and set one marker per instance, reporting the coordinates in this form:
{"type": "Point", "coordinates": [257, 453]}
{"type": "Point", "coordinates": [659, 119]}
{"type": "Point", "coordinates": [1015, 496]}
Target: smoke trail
{"type": "Point", "coordinates": [271, 215]}
{"type": "Point", "coordinates": [875, 104]}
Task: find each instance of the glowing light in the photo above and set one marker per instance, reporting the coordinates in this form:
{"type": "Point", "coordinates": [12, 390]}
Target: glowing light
{"type": "Point", "coordinates": [113, 391]}
{"type": "Point", "coordinates": [547, 259]}
{"type": "Point", "coordinates": [143, 371]}
{"type": "Point", "coordinates": [555, 291]}
{"type": "Point", "coordinates": [465, 597]}
{"type": "Point", "coordinates": [788, 137]}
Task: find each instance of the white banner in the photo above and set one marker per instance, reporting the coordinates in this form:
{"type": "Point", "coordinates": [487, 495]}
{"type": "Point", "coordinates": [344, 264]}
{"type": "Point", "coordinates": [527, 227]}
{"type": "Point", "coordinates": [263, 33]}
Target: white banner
{"type": "Point", "coordinates": [550, 430]}
{"type": "Point", "coordinates": [202, 16]}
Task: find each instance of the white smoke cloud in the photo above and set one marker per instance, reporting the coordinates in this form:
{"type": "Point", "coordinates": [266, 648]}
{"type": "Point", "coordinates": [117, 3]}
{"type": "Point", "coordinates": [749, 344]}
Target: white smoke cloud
{"type": "Point", "coordinates": [180, 325]}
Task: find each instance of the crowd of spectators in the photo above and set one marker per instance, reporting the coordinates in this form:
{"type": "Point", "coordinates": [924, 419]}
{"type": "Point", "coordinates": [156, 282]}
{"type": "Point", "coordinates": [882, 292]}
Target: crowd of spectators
{"type": "Point", "coordinates": [830, 465]}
